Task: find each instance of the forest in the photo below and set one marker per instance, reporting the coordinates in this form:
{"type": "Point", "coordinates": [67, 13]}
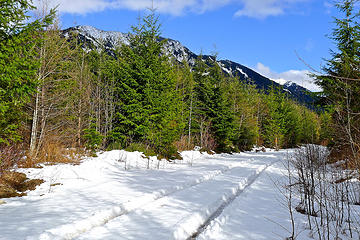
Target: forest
{"type": "Point", "coordinates": [59, 97]}
{"type": "Point", "coordinates": [185, 129]}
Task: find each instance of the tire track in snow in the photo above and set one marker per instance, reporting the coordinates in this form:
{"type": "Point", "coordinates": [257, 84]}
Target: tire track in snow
{"type": "Point", "coordinates": [199, 221]}
{"type": "Point", "coordinates": [76, 228]}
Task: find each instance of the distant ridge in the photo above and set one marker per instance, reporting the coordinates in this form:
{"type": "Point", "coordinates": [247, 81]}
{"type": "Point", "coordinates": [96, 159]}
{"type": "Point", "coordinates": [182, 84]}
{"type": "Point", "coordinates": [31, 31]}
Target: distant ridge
{"type": "Point", "coordinates": [93, 37]}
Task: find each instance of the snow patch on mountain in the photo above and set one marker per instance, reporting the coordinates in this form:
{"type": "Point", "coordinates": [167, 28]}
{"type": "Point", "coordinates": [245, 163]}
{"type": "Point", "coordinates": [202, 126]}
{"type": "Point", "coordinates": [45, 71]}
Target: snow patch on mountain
{"type": "Point", "coordinates": [242, 72]}
{"type": "Point", "coordinates": [227, 70]}
{"type": "Point", "coordinates": [104, 35]}
{"type": "Point", "coordinates": [178, 51]}
{"type": "Point", "coordinates": [110, 39]}
{"type": "Point", "coordinates": [281, 81]}
{"type": "Point", "coordinates": [301, 78]}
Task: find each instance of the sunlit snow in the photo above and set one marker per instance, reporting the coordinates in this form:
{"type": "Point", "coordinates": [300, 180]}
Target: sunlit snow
{"type": "Point", "coordinates": [122, 195]}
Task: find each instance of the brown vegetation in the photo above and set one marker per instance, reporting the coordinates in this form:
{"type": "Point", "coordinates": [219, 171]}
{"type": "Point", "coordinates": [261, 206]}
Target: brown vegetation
{"type": "Point", "coordinates": [14, 184]}
{"type": "Point", "coordinates": [9, 156]}
{"type": "Point", "coordinates": [51, 153]}
{"type": "Point", "coordinates": [184, 143]}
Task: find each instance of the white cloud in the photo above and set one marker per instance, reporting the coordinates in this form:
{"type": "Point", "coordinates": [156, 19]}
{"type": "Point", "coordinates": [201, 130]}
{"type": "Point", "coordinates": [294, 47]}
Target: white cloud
{"type": "Point", "coordinates": [260, 8]}
{"type": "Point", "coordinates": [328, 6]}
{"type": "Point", "coordinates": [300, 77]}
{"type": "Point", "coordinates": [265, 8]}
{"type": "Point", "coordinates": [249, 8]}
{"type": "Point", "coordinates": [173, 7]}
{"type": "Point", "coordinates": [77, 6]}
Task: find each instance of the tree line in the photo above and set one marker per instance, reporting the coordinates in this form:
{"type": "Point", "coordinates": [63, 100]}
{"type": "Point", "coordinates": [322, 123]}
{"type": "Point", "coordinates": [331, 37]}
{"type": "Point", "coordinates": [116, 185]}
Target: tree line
{"type": "Point", "coordinates": [54, 91]}
{"type": "Point", "coordinates": [340, 82]}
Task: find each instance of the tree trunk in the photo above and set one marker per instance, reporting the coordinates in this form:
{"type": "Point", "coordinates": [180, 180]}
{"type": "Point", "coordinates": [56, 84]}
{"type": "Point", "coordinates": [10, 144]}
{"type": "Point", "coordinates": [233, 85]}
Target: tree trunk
{"type": "Point", "coordinates": [34, 124]}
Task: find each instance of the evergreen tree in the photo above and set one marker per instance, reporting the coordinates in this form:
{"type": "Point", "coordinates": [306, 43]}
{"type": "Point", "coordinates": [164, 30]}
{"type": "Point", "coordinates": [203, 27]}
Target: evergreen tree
{"type": "Point", "coordinates": [276, 122]}
{"type": "Point", "coordinates": [341, 84]}
{"type": "Point", "coordinates": [185, 89]}
{"type": "Point", "coordinates": [246, 106]}
{"type": "Point", "coordinates": [222, 117]}
{"type": "Point", "coordinates": [18, 63]}
{"type": "Point", "coordinates": [202, 105]}
{"type": "Point", "coordinates": [146, 110]}
{"type": "Point", "coordinates": [212, 108]}
{"type": "Point", "coordinates": [327, 132]}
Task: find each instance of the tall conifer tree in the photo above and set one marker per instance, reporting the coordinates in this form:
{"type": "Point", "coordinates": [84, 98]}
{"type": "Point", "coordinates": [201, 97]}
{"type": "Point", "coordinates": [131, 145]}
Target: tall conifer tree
{"type": "Point", "coordinates": [18, 63]}
{"type": "Point", "coordinates": [341, 84]}
{"type": "Point", "coordinates": [146, 107]}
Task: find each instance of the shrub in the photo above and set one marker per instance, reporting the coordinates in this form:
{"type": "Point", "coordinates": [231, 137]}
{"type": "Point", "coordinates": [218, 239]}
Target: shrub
{"type": "Point", "coordinates": [141, 147]}
{"type": "Point", "coordinates": [169, 153]}
{"type": "Point", "coordinates": [114, 146]}
{"type": "Point", "coordinates": [9, 156]}
{"type": "Point", "coordinates": [183, 143]}
{"type": "Point", "coordinates": [93, 138]}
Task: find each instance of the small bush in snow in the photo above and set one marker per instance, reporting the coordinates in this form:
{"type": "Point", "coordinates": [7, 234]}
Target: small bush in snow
{"type": "Point", "coordinates": [325, 194]}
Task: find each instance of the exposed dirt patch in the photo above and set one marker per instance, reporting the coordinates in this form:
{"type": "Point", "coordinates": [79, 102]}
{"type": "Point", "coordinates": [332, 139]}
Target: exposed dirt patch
{"type": "Point", "coordinates": [14, 184]}
{"type": "Point", "coordinates": [55, 184]}
{"type": "Point", "coordinates": [7, 192]}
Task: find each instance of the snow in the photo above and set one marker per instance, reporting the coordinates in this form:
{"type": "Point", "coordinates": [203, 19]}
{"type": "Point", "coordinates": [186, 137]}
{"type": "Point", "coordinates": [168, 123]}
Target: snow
{"type": "Point", "coordinates": [122, 195]}
{"type": "Point", "coordinates": [112, 39]}
{"type": "Point", "coordinates": [242, 72]}
{"type": "Point", "coordinates": [281, 81]}
{"type": "Point", "coordinates": [100, 35]}
{"type": "Point", "coordinates": [260, 213]}
{"type": "Point", "coordinates": [109, 39]}
{"type": "Point", "coordinates": [226, 70]}
{"type": "Point", "coordinates": [176, 49]}
{"type": "Point", "coordinates": [222, 66]}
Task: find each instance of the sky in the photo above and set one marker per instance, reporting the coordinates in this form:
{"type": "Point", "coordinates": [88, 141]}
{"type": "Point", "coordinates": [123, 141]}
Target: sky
{"type": "Point", "coordinates": [281, 39]}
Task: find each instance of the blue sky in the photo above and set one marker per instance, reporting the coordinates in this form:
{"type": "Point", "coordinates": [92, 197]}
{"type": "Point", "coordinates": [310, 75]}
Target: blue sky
{"type": "Point", "coordinates": [264, 35]}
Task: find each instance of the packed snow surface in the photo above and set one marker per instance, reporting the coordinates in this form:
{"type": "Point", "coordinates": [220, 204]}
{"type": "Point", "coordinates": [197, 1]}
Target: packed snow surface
{"type": "Point", "coordinates": [122, 195]}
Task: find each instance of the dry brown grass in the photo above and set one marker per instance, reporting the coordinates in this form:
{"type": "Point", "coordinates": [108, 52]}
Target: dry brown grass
{"type": "Point", "coordinates": [183, 144]}
{"type": "Point", "coordinates": [53, 152]}
{"type": "Point", "coordinates": [15, 184]}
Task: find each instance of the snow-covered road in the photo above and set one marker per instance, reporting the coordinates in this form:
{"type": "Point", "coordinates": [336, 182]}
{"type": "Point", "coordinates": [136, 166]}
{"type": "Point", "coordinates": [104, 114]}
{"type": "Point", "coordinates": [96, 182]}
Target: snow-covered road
{"type": "Point", "coordinates": [259, 213]}
{"type": "Point", "coordinates": [204, 196]}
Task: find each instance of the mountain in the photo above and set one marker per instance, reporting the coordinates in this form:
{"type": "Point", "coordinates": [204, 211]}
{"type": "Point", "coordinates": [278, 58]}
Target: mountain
{"type": "Point", "coordinates": [93, 38]}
